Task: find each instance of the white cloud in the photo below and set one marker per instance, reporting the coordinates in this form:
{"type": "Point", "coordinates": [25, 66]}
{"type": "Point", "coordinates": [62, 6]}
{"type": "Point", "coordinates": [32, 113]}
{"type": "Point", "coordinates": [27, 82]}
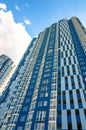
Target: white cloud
{"type": "Point", "coordinates": [26, 21]}
{"type": "Point", "coordinates": [17, 8]}
{"type": "Point", "coordinates": [3, 7]}
{"type": "Point", "coordinates": [13, 37]}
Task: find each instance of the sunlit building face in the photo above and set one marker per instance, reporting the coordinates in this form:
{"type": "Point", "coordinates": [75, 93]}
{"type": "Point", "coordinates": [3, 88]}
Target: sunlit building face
{"type": "Point", "coordinates": [47, 90]}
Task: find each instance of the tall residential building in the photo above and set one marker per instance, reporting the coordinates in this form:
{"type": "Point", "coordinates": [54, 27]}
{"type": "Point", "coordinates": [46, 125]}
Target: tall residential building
{"type": "Point", "coordinates": [48, 89]}
{"type": "Point", "coordinates": [6, 69]}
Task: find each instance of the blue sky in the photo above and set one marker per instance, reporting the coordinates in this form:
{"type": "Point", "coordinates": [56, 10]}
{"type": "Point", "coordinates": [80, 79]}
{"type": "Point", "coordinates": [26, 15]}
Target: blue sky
{"type": "Point", "coordinates": [42, 13]}
{"type": "Point", "coordinates": [21, 20]}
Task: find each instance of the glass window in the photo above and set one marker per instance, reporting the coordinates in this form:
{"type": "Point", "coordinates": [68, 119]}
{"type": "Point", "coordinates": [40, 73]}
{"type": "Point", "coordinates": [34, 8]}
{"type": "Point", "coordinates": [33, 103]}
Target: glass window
{"type": "Point", "coordinates": [41, 115]}
{"type": "Point", "coordinates": [25, 108]}
{"type": "Point", "coordinates": [85, 113]}
{"type": "Point", "coordinates": [44, 94]}
{"type": "Point", "coordinates": [42, 103]}
{"type": "Point", "coordinates": [53, 94]}
{"type": "Point", "coordinates": [52, 115]}
{"type": "Point", "coordinates": [11, 128]}
{"type": "Point", "coordinates": [39, 126]}
{"type": "Point", "coordinates": [28, 127]}
{"type": "Point", "coordinates": [69, 126]}
{"type": "Point", "coordinates": [52, 104]}
{"type": "Point", "coordinates": [32, 107]}
{"type": "Point", "coordinates": [29, 118]}
{"type": "Point", "coordinates": [77, 115]}
{"type": "Point", "coordinates": [51, 126]}
{"type": "Point", "coordinates": [13, 119]}
{"type": "Point", "coordinates": [27, 100]}
{"type": "Point", "coordinates": [22, 118]}
{"type": "Point", "coordinates": [19, 128]}
{"type": "Point", "coordinates": [79, 126]}
{"type": "Point", "coordinates": [53, 87]}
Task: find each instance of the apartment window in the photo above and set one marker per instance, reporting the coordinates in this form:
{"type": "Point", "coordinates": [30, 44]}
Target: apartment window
{"type": "Point", "coordinates": [61, 54]}
{"type": "Point", "coordinates": [28, 127]}
{"type": "Point", "coordinates": [64, 104]}
{"type": "Point", "coordinates": [52, 104]}
{"type": "Point", "coordinates": [79, 83]}
{"type": "Point", "coordinates": [69, 60]}
{"type": "Point", "coordinates": [71, 94]}
{"type": "Point", "coordinates": [66, 54]}
{"type": "Point", "coordinates": [50, 51]}
{"type": "Point", "coordinates": [72, 103]}
{"type": "Point", "coordinates": [59, 117]}
{"type": "Point", "coordinates": [68, 70]}
{"type": "Point", "coordinates": [32, 106]}
{"type": "Point", "coordinates": [84, 93]}
{"type": "Point", "coordinates": [19, 128]}
{"type": "Point", "coordinates": [27, 100]}
{"type": "Point", "coordinates": [80, 103]}
{"type": "Point", "coordinates": [42, 103]}
{"type": "Point", "coordinates": [73, 69]}
{"type": "Point", "coordinates": [11, 128]}
{"type": "Point", "coordinates": [63, 48]}
{"type": "Point", "coordinates": [59, 113]}
{"type": "Point", "coordinates": [67, 47]}
{"type": "Point", "coordinates": [44, 94]}
{"type": "Point", "coordinates": [41, 115]}
{"type": "Point", "coordinates": [77, 115]}
{"type": "Point", "coordinates": [54, 80]}
{"type": "Point", "coordinates": [52, 115]}
{"type": "Point", "coordinates": [78, 93]}
{"type": "Point", "coordinates": [64, 95]}
{"type": "Point", "coordinates": [51, 126]}
{"type": "Point", "coordinates": [53, 94]}
{"type": "Point", "coordinates": [59, 98]}
{"type": "Point", "coordinates": [39, 126]}
{"type": "Point", "coordinates": [69, 117]}
{"type": "Point", "coordinates": [79, 126]}
{"type": "Point", "coordinates": [8, 105]}
{"type": "Point", "coordinates": [62, 71]}
{"type": "Point", "coordinates": [66, 83]}
{"type": "Point", "coordinates": [46, 75]}
{"type": "Point", "coordinates": [45, 81]}
{"type": "Point", "coordinates": [13, 119]}
{"type": "Point", "coordinates": [70, 52]}
{"type": "Point", "coordinates": [74, 59]}
{"type": "Point", "coordinates": [41, 94]}
{"type": "Point", "coordinates": [22, 118]}
{"type": "Point", "coordinates": [29, 118]}
{"type": "Point", "coordinates": [59, 125]}
{"type": "Point", "coordinates": [85, 113]}
{"type": "Point", "coordinates": [25, 108]}
{"type": "Point", "coordinates": [69, 126]}
{"type": "Point", "coordinates": [44, 88]}
{"type": "Point", "coordinates": [64, 61]}
{"type": "Point", "coordinates": [17, 109]}
{"type": "Point", "coordinates": [72, 82]}
{"type": "Point", "coordinates": [59, 93]}
{"type": "Point", "coordinates": [53, 87]}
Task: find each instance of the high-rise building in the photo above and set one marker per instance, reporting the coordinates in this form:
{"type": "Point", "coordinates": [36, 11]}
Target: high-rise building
{"type": "Point", "coordinates": [6, 69]}
{"type": "Point", "coordinates": [48, 89]}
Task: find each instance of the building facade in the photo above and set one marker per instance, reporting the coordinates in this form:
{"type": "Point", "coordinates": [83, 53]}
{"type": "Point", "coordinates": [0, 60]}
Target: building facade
{"type": "Point", "coordinates": [48, 88]}
{"type": "Point", "coordinates": [6, 69]}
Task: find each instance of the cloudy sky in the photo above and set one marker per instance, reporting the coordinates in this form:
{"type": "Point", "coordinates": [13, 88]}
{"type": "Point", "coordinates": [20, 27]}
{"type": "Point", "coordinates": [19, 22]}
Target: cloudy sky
{"type": "Point", "coordinates": [21, 20]}
{"type": "Point", "coordinates": [14, 38]}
